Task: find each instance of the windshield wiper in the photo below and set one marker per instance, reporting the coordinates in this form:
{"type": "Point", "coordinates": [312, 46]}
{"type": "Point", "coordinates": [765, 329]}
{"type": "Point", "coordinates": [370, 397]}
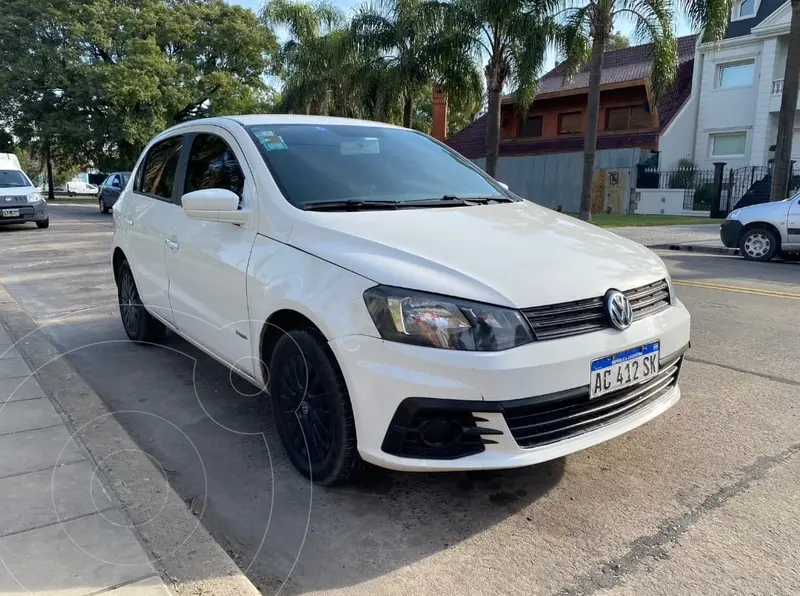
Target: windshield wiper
{"type": "Point", "coordinates": [350, 205]}
{"type": "Point", "coordinates": [455, 201]}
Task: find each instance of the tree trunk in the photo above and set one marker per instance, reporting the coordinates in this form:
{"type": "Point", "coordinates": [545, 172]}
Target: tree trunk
{"type": "Point", "coordinates": [50, 190]}
{"type": "Point", "coordinates": [592, 113]}
{"type": "Point", "coordinates": [493, 129]}
{"type": "Point", "coordinates": [791, 79]}
{"type": "Point", "coordinates": [408, 110]}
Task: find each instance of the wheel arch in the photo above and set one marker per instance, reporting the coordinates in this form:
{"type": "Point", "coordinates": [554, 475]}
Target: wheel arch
{"type": "Point", "coordinates": [117, 259]}
{"type": "Point", "coordinates": [762, 224]}
{"type": "Point", "coordinates": [274, 327]}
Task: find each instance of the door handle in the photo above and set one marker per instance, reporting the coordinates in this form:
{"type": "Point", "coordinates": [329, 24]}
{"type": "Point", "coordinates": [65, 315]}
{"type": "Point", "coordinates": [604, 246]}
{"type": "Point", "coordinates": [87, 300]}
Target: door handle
{"type": "Point", "coordinates": [129, 220]}
{"type": "Point", "coordinates": [172, 244]}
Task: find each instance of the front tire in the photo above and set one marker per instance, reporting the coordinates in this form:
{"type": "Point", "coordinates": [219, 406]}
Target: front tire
{"type": "Point", "coordinates": [43, 224]}
{"type": "Point", "coordinates": [312, 408]}
{"type": "Point", "coordinates": [758, 244]}
{"type": "Point", "coordinates": [139, 324]}
{"type": "Point", "coordinates": [103, 207]}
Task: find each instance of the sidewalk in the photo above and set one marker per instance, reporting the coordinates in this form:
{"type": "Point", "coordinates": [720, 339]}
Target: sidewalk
{"type": "Point", "coordinates": [61, 532]}
{"type": "Point", "coordinates": [702, 238]}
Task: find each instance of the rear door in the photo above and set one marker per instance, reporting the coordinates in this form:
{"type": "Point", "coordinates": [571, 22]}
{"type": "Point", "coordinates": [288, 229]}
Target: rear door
{"type": "Point", "coordinates": [207, 261]}
{"type": "Point", "coordinates": [149, 215]}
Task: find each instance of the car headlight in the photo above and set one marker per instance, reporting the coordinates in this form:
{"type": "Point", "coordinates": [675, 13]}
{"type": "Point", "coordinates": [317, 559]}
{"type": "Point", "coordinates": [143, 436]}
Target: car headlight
{"type": "Point", "coordinates": [733, 214]}
{"type": "Point", "coordinates": [441, 322]}
{"type": "Point", "coordinates": [34, 197]}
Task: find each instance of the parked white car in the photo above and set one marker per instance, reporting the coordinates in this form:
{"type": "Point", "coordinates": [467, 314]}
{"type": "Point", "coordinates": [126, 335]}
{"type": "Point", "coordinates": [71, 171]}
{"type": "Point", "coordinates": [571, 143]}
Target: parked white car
{"type": "Point", "coordinates": [20, 202]}
{"type": "Point", "coordinates": [78, 187]}
{"type": "Point", "coordinates": [762, 231]}
{"type": "Point", "coordinates": [399, 306]}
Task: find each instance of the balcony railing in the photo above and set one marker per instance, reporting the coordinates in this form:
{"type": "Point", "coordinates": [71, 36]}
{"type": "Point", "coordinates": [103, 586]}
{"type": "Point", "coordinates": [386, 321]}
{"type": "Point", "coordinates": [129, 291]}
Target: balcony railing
{"type": "Point", "coordinates": [777, 87]}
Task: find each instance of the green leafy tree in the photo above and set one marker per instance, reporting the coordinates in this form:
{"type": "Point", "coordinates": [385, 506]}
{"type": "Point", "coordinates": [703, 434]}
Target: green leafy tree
{"type": "Point", "coordinates": [617, 41]}
{"type": "Point", "coordinates": [786, 117]}
{"type": "Point", "coordinates": [416, 51]}
{"type": "Point", "coordinates": [511, 38]}
{"type": "Point", "coordinates": [585, 36]}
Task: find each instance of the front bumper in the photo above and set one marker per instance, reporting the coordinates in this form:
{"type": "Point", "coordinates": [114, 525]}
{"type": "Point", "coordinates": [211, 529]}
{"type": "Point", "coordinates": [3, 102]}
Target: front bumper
{"type": "Point", "coordinates": [730, 232]}
{"type": "Point", "coordinates": [382, 375]}
{"type": "Point", "coordinates": [28, 212]}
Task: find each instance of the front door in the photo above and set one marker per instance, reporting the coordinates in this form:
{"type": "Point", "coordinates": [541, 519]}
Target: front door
{"type": "Point", "coordinates": [207, 261]}
{"type": "Point", "coordinates": [793, 222]}
{"type": "Point", "coordinates": [149, 215]}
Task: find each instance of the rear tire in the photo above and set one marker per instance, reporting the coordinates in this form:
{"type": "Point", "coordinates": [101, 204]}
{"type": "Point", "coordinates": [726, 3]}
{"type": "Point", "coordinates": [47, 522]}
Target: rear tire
{"type": "Point", "coordinates": [312, 409]}
{"type": "Point", "coordinates": [758, 244]}
{"type": "Point", "coordinates": [139, 324]}
{"type": "Point", "coordinates": [43, 224]}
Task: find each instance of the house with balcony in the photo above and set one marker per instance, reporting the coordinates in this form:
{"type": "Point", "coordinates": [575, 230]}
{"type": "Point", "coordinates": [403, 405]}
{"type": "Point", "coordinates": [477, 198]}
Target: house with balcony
{"type": "Point", "coordinates": [738, 84]}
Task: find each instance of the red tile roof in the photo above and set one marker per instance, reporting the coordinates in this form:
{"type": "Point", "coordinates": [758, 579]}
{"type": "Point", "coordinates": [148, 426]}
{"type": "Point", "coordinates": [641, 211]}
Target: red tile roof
{"type": "Point", "coordinates": [629, 62]}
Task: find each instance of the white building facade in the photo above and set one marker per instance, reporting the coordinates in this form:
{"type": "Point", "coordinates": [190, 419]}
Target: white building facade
{"type": "Point", "coordinates": [737, 88]}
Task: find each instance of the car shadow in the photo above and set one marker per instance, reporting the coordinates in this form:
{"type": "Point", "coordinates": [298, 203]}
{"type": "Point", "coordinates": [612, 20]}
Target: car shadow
{"type": "Point", "coordinates": [214, 436]}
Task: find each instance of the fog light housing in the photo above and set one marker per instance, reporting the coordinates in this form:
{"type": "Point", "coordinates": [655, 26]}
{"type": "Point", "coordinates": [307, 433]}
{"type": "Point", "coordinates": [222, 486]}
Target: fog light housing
{"type": "Point", "coordinates": [440, 433]}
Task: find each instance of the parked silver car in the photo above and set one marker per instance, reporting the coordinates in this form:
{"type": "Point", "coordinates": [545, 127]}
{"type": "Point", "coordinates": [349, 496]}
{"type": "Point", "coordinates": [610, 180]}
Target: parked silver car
{"type": "Point", "coordinates": [110, 189]}
{"type": "Point", "coordinates": [20, 202]}
{"type": "Point", "coordinates": [762, 231]}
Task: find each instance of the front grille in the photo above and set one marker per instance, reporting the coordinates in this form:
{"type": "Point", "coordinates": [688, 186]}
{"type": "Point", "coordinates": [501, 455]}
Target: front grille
{"type": "Point", "coordinates": [583, 316]}
{"type": "Point", "coordinates": [548, 418]}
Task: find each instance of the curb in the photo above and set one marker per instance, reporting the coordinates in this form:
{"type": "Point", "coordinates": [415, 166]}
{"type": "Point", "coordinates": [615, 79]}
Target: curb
{"type": "Point", "coordinates": [189, 558]}
{"type": "Point", "coordinates": [708, 250]}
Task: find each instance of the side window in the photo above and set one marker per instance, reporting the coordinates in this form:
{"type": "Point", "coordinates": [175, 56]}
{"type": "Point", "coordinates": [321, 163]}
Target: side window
{"type": "Point", "coordinates": [115, 181]}
{"type": "Point", "coordinates": [212, 164]}
{"type": "Point", "coordinates": [160, 164]}
{"type": "Point", "coordinates": [107, 181]}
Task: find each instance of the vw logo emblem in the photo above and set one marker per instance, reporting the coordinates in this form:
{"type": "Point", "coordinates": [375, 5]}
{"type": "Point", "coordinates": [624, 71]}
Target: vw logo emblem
{"type": "Point", "coordinates": [619, 310]}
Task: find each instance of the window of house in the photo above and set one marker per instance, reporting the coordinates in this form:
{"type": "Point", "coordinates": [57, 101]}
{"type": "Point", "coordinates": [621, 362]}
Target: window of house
{"type": "Point", "coordinates": [728, 144]}
{"type": "Point", "coordinates": [212, 164]}
{"type": "Point", "coordinates": [569, 123]}
{"type": "Point", "coordinates": [627, 118]}
{"type": "Point", "coordinates": [746, 8]}
{"type": "Point", "coordinates": [736, 75]}
{"type": "Point", "coordinates": [531, 127]}
{"type": "Point", "coordinates": [160, 164]}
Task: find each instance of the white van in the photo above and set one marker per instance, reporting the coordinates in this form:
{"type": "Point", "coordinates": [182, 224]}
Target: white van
{"type": "Point", "coordinates": [20, 202]}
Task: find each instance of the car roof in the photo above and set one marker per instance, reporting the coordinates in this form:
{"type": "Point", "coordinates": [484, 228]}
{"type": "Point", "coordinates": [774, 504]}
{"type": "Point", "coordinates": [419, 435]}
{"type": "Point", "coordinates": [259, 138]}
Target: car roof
{"type": "Point", "coordinates": [256, 119]}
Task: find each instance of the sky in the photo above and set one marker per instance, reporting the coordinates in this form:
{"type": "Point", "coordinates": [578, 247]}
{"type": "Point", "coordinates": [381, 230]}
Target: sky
{"type": "Point", "coordinates": [347, 5]}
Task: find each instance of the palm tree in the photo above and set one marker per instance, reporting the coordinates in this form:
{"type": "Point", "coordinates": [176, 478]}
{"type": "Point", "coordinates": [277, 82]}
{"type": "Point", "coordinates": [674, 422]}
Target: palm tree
{"type": "Point", "coordinates": [585, 35]}
{"type": "Point", "coordinates": [791, 79]}
{"type": "Point", "coordinates": [416, 50]}
{"type": "Point", "coordinates": [311, 61]}
{"type": "Point", "coordinates": [512, 36]}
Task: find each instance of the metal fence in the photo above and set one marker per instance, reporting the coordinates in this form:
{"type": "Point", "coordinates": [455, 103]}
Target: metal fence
{"type": "Point", "coordinates": [739, 187]}
{"type": "Point", "coordinates": [698, 185]}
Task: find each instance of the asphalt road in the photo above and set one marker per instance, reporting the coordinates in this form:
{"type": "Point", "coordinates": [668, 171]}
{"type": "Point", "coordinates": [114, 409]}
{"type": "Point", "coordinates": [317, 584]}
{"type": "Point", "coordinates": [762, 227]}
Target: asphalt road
{"type": "Point", "coordinates": [703, 500]}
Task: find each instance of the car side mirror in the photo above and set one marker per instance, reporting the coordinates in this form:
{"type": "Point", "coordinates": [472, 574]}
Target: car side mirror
{"type": "Point", "coordinates": [214, 204]}
{"type": "Point", "coordinates": [503, 184]}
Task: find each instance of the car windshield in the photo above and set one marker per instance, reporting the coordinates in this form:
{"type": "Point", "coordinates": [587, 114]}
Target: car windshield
{"type": "Point", "coordinates": [13, 178]}
{"type": "Point", "coordinates": [125, 176]}
{"type": "Point", "coordinates": [314, 164]}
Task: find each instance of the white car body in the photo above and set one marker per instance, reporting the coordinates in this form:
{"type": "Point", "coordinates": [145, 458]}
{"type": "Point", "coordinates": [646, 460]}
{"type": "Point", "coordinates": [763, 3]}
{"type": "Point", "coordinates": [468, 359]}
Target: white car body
{"type": "Point", "coordinates": [221, 284]}
{"type": "Point", "coordinates": [79, 187]}
{"type": "Point", "coordinates": [761, 231]}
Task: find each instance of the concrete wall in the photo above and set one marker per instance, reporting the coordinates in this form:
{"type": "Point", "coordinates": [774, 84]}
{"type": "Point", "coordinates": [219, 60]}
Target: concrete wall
{"type": "Point", "coordinates": [677, 140]}
{"type": "Point", "coordinates": [553, 180]}
{"type": "Point", "coordinates": [656, 201]}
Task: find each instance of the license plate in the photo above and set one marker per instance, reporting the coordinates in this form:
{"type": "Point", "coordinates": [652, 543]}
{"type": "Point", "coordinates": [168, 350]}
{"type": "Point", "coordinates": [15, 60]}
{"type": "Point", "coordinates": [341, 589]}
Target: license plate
{"type": "Point", "coordinates": [10, 212]}
{"type": "Point", "coordinates": [627, 368]}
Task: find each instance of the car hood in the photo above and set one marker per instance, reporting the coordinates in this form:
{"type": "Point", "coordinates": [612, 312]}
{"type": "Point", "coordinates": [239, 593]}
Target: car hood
{"type": "Point", "coordinates": [516, 254]}
{"type": "Point", "coordinates": [15, 196]}
{"type": "Point", "coordinates": [762, 211]}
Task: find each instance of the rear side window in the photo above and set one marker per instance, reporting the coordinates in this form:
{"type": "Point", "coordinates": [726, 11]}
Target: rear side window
{"type": "Point", "coordinates": [212, 164]}
{"type": "Point", "coordinates": [158, 171]}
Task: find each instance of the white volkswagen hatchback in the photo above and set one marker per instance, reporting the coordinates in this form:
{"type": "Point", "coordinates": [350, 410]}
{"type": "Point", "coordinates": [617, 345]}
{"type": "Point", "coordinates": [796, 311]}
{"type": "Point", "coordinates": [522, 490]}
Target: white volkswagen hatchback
{"type": "Point", "coordinates": [397, 305]}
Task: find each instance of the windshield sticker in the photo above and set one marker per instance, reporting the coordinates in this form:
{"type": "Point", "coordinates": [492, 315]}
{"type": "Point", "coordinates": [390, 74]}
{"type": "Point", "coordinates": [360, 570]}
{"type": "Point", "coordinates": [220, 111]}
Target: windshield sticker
{"type": "Point", "coordinates": [270, 140]}
{"type": "Point", "coordinates": [367, 145]}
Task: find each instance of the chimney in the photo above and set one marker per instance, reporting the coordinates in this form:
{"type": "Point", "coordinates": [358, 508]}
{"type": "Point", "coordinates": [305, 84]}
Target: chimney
{"type": "Point", "coordinates": [439, 127]}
